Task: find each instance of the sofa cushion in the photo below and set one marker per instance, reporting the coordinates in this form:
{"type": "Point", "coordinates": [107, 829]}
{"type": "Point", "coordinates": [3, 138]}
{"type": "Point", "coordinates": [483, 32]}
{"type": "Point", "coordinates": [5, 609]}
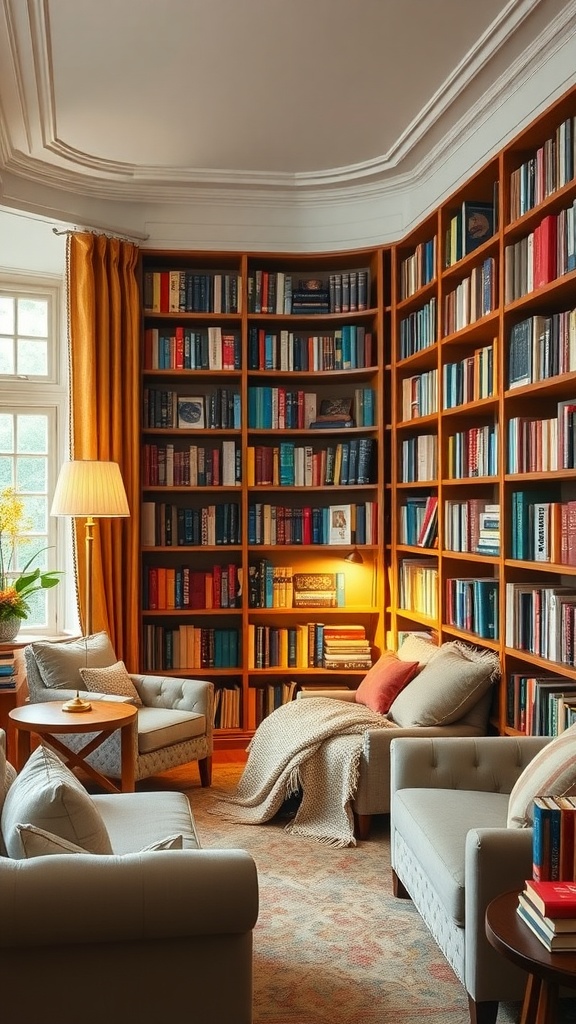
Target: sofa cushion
{"type": "Point", "coordinates": [383, 682]}
{"type": "Point", "coordinates": [134, 820]}
{"type": "Point", "coordinates": [552, 772]}
{"type": "Point", "coordinates": [161, 727]}
{"type": "Point", "coordinates": [450, 684]}
{"type": "Point", "coordinates": [59, 664]}
{"type": "Point", "coordinates": [434, 823]}
{"type": "Point", "coordinates": [48, 795]}
{"type": "Point", "coordinates": [37, 842]}
{"type": "Point", "coordinates": [112, 679]}
{"type": "Point", "coordinates": [417, 648]}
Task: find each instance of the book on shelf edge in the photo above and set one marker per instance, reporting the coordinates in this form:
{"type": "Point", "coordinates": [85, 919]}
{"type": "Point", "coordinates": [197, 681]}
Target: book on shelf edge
{"type": "Point", "coordinates": [555, 925]}
{"type": "Point", "coordinates": [553, 899]}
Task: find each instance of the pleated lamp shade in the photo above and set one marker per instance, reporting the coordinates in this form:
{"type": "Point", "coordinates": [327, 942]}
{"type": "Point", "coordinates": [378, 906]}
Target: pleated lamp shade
{"type": "Point", "coordinates": [88, 487]}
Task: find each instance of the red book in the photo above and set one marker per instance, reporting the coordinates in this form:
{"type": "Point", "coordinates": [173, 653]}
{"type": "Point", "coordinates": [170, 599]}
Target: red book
{"type": "Point", "coordinates": [553, 899]}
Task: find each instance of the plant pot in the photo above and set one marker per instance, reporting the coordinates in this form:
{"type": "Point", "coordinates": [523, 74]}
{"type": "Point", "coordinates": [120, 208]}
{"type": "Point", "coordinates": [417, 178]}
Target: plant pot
{"type": "Point", "coordinates": [9, 629]}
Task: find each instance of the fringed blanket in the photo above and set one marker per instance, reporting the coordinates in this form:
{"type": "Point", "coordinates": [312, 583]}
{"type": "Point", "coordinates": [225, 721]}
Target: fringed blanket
{"type": "Point", "coordinates": [312, 746]}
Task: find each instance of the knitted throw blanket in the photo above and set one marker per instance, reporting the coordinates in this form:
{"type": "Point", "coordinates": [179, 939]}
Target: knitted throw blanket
{"type": "Point", "coordinates": [312, 746]}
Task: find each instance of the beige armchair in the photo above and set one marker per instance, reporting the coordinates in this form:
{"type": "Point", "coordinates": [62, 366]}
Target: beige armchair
{"type": "Point", "coordinates": [175, 716]}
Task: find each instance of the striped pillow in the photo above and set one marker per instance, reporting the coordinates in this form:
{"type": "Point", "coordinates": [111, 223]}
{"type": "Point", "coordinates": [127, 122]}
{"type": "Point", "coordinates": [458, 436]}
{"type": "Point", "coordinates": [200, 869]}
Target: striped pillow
{"type": "Point", "coordinates": [551, 773]}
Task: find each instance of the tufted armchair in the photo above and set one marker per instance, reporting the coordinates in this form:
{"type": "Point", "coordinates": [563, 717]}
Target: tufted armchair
{"type": "Point", "coordinates": [175, 716]}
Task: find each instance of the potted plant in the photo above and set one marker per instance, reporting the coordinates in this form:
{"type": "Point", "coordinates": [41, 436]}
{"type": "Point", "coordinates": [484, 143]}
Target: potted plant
{"type": "Point", "coordinates": [16, 590]}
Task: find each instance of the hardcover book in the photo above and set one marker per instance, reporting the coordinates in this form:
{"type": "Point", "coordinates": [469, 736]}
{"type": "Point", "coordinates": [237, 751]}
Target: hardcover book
{"type": "Point", "coordinates": [315, 590]}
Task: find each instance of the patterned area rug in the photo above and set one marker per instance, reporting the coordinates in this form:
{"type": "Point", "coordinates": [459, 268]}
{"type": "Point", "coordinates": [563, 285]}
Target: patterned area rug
{"type": "Point", "coordinates": [332, 944]}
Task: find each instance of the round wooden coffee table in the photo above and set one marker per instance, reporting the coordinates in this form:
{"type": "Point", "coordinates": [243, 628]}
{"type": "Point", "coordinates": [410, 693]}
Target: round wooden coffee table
{"type": "Point", "coordinates": [48, 719]}
{"type": "Point", "coordinates": [547, 972]}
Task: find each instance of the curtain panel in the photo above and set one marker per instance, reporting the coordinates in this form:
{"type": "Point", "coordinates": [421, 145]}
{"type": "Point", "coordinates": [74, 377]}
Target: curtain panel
{"type": "Point", "coordinates": [104, 343]}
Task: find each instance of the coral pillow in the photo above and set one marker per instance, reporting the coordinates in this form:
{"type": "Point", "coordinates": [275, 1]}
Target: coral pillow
{"type": "Point", "coordinates": [384, 681]}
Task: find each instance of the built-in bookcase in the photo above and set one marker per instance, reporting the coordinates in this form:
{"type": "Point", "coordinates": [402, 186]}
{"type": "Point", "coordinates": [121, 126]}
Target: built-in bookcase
{"type": "Point", "coordinates": [501, 355]}
{"type": "Point", "coordinates": [263, 467]}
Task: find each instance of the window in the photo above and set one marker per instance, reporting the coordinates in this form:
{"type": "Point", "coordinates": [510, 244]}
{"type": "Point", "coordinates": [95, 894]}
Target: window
{"type": "Point", "coordinates": [33, 419]}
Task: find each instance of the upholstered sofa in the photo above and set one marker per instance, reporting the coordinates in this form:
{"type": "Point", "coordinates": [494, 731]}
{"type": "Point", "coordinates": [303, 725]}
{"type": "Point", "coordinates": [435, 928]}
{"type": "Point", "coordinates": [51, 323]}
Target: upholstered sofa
{"type": "Point", "coordinates": [146, 926]}
{"type": "Point", "coordinates": [446, 691]}
{"type": "Point", "coordinates": [175, 716]}
{"type": "Point", "coordinates": [461, 834]}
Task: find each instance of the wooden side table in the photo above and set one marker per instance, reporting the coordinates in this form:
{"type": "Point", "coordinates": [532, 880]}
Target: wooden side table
{"type": "Point", "coordinates": [48, 719]}
{"type": "Point", "coordinates": [547, 972]}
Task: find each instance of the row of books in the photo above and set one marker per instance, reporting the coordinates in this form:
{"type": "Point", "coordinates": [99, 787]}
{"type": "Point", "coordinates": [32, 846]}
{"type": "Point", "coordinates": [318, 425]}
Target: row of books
{"type": "Point", "coordinates": [419, 396]}
{"type": "Point", "coordinates": [542, 620]}
{"type": "Point", "coordinates": [418, 269]}
{"type": "Point", "coordinates": [281, 293]}
{"type": "Point", "coordinates": [346, 348]}
{"type": "Point", "coordinates": [328, 524]}
{"type": "Point", "coordinates": [472, 525]}
{"type": "Point", "coordinates": [181, 348]}
{"type": "Point", "coordinates": [418, 586]}
{"type": "Point", "coordinates": [542, 256]}
{"type": "Point", "coordinates": [469, 227]}
{"type": "Point", "coordinates": [550, 168]}
{"type": "Point", "coordinates": [470, 379]}
{"type": "Point", "coordinates": [278, 586]}
{"type": "Point", "coordinates": [474, 297]}
{"type": "Point", "coordinates": [186, 291]}
{"type": "Point", "coordinates": [263, 700]}
{"type": "Point", "coordinates": [227, 706]}
{"type": "Point", "coordinates": [170, 525]}
{"type": "Point", "coordinates": [418, 330]}
{"type": "Point", "coordinates": [548, 908]}
{"type": "Point", "coordinates": [189, 647]}
{"type": "Point", "coordinates": [181, 587]}
{"type": "Point", "coordinates": [218, 409]}
{"type": "Point", "coordinates": [539, 445]}
{"type": "Point", "coordinates": [173, 465]}
{"type": "Point", "coordinates": [543, 530]}
{"type": "Point", "coordinates": [541, 347]}
{"type": "Point", "coordinates": [309, 645]}
{"type": "Point", "coordinates": [8, 672]}
{"type": "Point", "coordinates": [279, 408]}
{"type": "Point", "coordinates": [553, 838]}
{"type": "Point", "coordinates": [540, 705]}
{"type": "Point", "coordinates": [473, 452]}
{"type": "Point", "coordinates": [472, 605]}
{"type": "Point", "coordinates": [419, 521]}
{"type": "Point", "coordinates": [419, 458]}
{"type": "Point", "coordinates": [290, 465]}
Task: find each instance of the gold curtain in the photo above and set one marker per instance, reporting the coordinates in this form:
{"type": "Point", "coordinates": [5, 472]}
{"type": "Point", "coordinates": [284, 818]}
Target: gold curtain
{"type": "Point", "coordinates": [103, 335]}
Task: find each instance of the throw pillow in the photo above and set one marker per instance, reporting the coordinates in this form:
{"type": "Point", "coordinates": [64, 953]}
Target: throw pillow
{"type": "Point", "coordinates": [384, 681]}
{"type": "Point", "coordinates": [450, 684]}
{"type": "Point", "coordinates": [59, 664]}
{"type": "Point", "coordinates": [552, 772]}
{"type": "Point", "coordinates": [7, 776]}
{"type": "Point", "coordinates": [114, 680]}
{"type": "Point", "coordinates": [48, 795]}
{"type": "Point", "coordinates": [37, 842]}
{"type": "Point", "coordinates": [417, 648]}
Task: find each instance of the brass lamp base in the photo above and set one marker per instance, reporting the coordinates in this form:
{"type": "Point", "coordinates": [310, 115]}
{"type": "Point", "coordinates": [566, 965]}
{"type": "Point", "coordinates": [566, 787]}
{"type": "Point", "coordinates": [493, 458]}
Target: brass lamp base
{"type": "Point", "coordinates": [77, 704]}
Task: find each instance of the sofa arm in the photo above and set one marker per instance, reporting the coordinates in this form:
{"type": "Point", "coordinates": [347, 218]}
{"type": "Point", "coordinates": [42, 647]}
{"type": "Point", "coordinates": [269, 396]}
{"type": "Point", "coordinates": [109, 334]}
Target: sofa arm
{"type": "Point", "coordinates": [486, 763]}
{"type": "Point", "coordinates": [154, 895]}
{"type": "Point", "coordinates": [177, 693]}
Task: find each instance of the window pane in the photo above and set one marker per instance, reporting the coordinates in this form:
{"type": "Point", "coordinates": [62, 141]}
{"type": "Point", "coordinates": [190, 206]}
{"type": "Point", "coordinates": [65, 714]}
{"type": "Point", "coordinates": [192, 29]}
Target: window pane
{"type": "Point", "coordinates": [33, 317]}
{"type": "Point", "coordinates": [32, 357]}
{"type": "Point", "coordinates": [6, 314]}
{"type": "Point", "coordinates": [6, 470]}
{"type": "Point", "coordinates": [32, 434]}
{"type": "Point", "coordinates": [32, 474]}
{"type": "Point", "coordinates": [36, 514]}
{"type": "Point", "coordinates": [6, 433]}
{"type": "Point", "coordinates": [6, 355]}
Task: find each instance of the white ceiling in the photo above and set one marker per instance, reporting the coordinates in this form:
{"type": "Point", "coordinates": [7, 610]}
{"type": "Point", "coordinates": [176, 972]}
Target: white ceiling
{"type": "Point", "coordinates": [113, 110]}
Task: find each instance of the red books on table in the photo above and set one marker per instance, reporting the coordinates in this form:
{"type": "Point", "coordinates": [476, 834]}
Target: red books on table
{"type": "Point", "coordinates": [553, 899]}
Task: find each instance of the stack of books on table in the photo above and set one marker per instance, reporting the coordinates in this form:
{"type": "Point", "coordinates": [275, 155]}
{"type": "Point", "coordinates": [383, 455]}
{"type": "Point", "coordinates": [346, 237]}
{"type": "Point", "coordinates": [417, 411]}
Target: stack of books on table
{"type": "Point", "coordinates": [549, 910]}
{"type": "Point", "coordinates": [7, 671]}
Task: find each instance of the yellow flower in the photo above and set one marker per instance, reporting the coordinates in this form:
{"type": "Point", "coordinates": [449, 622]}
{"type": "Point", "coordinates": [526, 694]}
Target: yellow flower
{"type": "Point", "coordinates": [15, 591]}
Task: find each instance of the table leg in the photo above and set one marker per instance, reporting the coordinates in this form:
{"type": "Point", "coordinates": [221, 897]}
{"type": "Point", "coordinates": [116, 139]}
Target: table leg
{"type": "Point", "coordinates": [128, 735]}
{"type": "Point", "coordinates": [547, 1004]}
{"type": "Point", "coordinates": [22, 748]}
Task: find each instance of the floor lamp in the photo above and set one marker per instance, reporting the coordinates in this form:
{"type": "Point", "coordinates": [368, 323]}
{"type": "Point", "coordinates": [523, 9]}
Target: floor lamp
{"type": "Point", "coordinates": [89, 489]}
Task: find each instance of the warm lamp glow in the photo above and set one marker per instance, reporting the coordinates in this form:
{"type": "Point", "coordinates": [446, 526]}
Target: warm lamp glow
{"type": "Point", "coordinates": [90, 490]}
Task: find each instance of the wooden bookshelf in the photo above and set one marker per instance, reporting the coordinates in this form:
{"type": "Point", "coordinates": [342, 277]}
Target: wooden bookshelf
{"type": "Point", "coordinates": [494, 390]}
{"type": "Point", "coordinates": [271, 360]}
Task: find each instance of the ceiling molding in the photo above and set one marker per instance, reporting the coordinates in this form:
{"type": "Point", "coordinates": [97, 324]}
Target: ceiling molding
{"type": "Point", "coordinates": [87, 175]}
